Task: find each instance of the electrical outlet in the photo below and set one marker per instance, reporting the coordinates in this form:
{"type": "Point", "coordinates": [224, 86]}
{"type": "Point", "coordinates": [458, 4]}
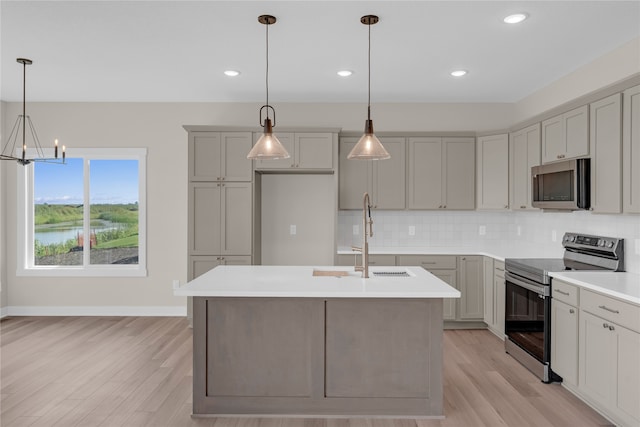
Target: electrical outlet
{"type": "Point", "coordinates": [292, 230]}
{"type": "Point", "coordinates": [356, 230]}
{"type": "Point", "coordinates": [637, 246]}
{"type": "Point", "coordinates": [482, 230]}
{"type": "Point", "coordinates": [554, 235]}
{"type": "Point", "coordinates": [519, 231]}
{"type": "Point", "coordinates": [412, 230]}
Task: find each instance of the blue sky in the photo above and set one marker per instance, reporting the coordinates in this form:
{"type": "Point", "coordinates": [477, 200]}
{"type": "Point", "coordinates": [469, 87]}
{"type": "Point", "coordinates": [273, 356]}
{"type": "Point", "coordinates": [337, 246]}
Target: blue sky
{"type": "Point", "coordinates": [112, 181]}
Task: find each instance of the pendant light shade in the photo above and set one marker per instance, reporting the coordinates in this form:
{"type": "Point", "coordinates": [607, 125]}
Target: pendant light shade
{"type": "Point", "coordinates": [369, 146]}
{"type": "Point", "coordinates": [268, 146]}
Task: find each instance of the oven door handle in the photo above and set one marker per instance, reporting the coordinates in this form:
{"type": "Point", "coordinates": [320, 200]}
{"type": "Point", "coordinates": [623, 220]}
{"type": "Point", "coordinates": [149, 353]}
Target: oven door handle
{"type": "Point", "coordinates": [529, 285]}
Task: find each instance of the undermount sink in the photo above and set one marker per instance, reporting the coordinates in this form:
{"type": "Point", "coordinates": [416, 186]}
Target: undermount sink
{"type": "Point", "coordinates": [396, 273]}
{"type": "Point", "coordinates": [334, 273]}
{"type": "Point", "coordinates": [391, 273]}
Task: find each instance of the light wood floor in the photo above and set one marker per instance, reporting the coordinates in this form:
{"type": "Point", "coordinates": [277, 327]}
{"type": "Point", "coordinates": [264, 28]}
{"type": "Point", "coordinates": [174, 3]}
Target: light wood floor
{"type": "Point", "coordinates": [136, 371]}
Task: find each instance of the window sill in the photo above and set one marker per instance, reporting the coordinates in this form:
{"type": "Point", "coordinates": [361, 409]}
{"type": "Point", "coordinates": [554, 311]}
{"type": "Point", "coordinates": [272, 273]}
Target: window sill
{"type": "Point", "coordinates": [97, 271]}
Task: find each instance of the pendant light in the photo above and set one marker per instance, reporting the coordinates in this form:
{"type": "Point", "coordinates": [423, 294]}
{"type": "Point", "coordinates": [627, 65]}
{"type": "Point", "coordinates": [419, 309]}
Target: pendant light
{"type": "Point", "coordinates": [268, 146]}
{"type": "Point", "coordinates": [9, 149]}
{"type": "Point", "coordinates": [369, 146]}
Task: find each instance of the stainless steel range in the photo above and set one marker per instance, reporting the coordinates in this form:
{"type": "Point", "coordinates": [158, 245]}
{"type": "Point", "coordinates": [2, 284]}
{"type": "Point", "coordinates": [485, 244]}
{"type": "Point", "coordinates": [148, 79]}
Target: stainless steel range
{"type": "Point", "coordinates": [528, 295]}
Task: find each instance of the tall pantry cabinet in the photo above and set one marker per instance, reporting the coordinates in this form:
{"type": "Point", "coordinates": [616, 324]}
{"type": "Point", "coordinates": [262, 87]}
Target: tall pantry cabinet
{"type": "Point", "coordinates": [219, 199]}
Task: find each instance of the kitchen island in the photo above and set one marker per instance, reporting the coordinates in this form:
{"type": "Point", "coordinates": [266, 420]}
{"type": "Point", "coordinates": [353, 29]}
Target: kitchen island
{"type": "Point", "coordinates": [317, 341]}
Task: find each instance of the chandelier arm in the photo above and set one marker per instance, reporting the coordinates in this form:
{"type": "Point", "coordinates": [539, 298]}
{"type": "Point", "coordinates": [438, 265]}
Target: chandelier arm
{"type": "Point", "coordinates": [7, 154]}
{"type": "Point", "coordinates": [36, 140]}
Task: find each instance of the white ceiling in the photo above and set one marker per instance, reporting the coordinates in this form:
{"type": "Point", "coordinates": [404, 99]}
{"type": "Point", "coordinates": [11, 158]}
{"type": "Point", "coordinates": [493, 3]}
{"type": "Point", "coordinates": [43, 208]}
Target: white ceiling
{"type": "Point", "coordinates": [177, 50]}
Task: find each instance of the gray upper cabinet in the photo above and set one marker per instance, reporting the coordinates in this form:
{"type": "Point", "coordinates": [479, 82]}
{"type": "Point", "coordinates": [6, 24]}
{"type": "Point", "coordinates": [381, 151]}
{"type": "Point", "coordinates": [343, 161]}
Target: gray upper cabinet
{"type": "Point", "coordinates": [606, 154]}
{"type": "Point", "coordinates": [220, 156]}
{"type": "Point", "coordinates": [384, 180]}
{"type": "Point", "coordinates": [220, 218]}
{"type": "Point", "coordinates": [493, 172]}
{"type": "Point", "coordinates": [524, 151]}
{"type": "Point", "coordinates": [307, 150]}
{"type": "Point", "coordinates": [441, 173]}
{"type": "Point", "coordinates": [631, 150]}
{"type": "Point", "coordinates": [566, 136]}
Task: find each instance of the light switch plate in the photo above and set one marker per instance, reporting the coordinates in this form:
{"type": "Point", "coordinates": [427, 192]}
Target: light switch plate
{"type": "Point", "coordinates": [292, 230]}
{"type": "Point", "coordinates": [482, 230]}
{"type": "Point", "coordinates": [356, 230]}
{"type": "Point", "coordinates": [637, 246]}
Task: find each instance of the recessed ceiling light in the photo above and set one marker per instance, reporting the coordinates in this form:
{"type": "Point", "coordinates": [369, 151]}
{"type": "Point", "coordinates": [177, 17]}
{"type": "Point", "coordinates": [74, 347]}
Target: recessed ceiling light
{"type": "Point", "coordinates": [516, 18]}
{"type": "Point", "coordinates": [232, 73]}
{"type": "Point", "coordinates": [458, 73]}
{"type": "Point", "coordinates": [345, 73]}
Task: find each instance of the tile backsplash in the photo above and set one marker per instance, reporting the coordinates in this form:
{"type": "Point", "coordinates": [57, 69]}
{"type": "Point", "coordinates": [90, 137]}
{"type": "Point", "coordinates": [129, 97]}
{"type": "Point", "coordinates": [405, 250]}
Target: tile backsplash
{"type": "Point", "coordinates": [541, 230]}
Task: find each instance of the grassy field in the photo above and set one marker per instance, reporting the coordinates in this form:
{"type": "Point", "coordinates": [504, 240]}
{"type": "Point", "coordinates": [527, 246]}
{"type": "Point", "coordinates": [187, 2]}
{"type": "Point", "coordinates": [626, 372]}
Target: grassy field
{"type": "Point", "coordinates": [56, 214]}
{"type": "Point", "coordinates": [125, 215]}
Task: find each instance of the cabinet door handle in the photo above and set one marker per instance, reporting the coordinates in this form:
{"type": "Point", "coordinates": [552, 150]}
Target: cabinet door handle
{"type": "Point", "coordinates": [440, 207]}
{"type": "Point", "coordinates": [523, 207]}
{"type": "Point", "coordinates": [445, 206]}
{"type": "Point", "coordinates": [562, 292]}
{"type": "Point", "coordinates": [506, 206]}
{"type": "Point", "coordinates": [223, 178]}
{"type": "Point", "coordinates": [611, 328]}
{"type": "Point", "coordinates": [571, 311]}
{"type": "Point", "coordinates": [605, 325]}
{"type": "Point", "coordinates": [610, 310]}
{"type": "Point", "coordinates": [464, 258]}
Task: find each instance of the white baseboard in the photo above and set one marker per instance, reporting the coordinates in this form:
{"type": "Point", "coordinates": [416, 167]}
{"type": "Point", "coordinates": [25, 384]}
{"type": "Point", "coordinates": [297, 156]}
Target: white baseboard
{"type": "Point", "coordinates": [160, 311]}
{"type": "Point", "coordinates": [4, 312]}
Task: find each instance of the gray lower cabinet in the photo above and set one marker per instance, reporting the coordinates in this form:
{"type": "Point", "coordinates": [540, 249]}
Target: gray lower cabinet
{"type": "Point", "coordinates": [444, 267]}
{"type": "Point", "coordinates": [315, 356]}
{"type": "Point", "coordinates": [470, 282]}
{"type": "Point", "coordinates": [494, 296]}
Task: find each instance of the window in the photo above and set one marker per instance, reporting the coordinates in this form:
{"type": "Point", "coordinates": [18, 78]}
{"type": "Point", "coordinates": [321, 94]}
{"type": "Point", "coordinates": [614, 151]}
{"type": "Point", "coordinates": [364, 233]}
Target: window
{"type": "Point", "coordinates": [84, 218]}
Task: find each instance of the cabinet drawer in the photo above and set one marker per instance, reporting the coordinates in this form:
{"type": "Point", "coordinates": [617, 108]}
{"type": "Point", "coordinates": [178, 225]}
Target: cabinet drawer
{"type": "Point", "coordinates": [429, 262]}
{"type": "Point", "coordinates": [564, 292]}
{"type": "Point", "coordinates": [620, 312]}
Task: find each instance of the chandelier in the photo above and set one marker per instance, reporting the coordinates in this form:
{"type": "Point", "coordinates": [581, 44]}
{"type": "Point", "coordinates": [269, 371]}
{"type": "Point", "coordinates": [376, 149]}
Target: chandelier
{"type": "Point", "coordinates": [23, 122]}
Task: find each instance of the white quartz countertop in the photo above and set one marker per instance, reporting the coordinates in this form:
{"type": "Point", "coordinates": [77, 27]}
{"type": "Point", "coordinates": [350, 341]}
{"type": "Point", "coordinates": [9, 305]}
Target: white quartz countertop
{"type": "Point", "coordinates": [299, 282]}
{"type": "Point", "coordinates": [625, 286]}
{"type": "Point", "coordinates": [497, 251]}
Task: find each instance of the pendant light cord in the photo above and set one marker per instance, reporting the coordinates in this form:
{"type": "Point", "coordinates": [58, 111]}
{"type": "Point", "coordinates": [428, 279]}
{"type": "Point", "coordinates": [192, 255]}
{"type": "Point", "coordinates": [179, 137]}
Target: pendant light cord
{"type": "Point", "coordinates": [24, 104]}
{"type": "Point", "coordinates": [369, 66]}
{"type": "Point", "coordinates": [267, 73]}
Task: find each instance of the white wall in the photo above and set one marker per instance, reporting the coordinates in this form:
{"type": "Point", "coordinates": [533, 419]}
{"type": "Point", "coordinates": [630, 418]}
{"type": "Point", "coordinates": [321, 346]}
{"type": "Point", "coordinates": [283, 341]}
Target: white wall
{"type": "Point", "coordinates": [617, 65]}
{"type": "Point", "coordinates": [3, 269]}
{"type": "Point", "coordinates": [158, 127]}
{"type": "Point", "coordinates": [307, 202]}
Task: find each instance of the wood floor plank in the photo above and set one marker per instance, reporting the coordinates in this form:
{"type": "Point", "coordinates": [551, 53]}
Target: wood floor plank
{"type": "Point", "coordinates": [137, 371]}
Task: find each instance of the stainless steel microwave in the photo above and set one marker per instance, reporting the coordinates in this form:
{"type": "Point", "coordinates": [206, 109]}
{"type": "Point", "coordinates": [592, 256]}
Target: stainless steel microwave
{"type": "Point", "coordinates": [563, 185]}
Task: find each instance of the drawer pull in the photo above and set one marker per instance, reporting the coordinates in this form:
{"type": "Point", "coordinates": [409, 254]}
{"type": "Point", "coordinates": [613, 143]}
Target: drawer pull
{"type": "Point", "coordinates": [428, 262]}
{"type": "Point", "coordinates": [610, 310]}
{"type": "Point", "coordinates": [562, 292]}
{"type": "Point", "coordinates": [571, 311]}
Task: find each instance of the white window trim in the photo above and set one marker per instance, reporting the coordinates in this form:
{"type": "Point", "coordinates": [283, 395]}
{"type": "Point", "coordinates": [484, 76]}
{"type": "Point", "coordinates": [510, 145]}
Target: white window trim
{"type": "Point", "coordinates": [25, 214]}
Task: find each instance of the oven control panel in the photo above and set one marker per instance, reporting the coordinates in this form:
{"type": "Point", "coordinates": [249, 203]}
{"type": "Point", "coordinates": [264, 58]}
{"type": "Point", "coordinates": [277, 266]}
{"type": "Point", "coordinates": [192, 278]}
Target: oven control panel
{"type": "Point", "coordinates": [575, 240]}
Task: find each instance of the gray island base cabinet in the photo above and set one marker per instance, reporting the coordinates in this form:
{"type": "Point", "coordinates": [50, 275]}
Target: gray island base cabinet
{"type": "Point", "coordinates": [309, 341]}
{"type": "Point", "coordinates": [317, 356]}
